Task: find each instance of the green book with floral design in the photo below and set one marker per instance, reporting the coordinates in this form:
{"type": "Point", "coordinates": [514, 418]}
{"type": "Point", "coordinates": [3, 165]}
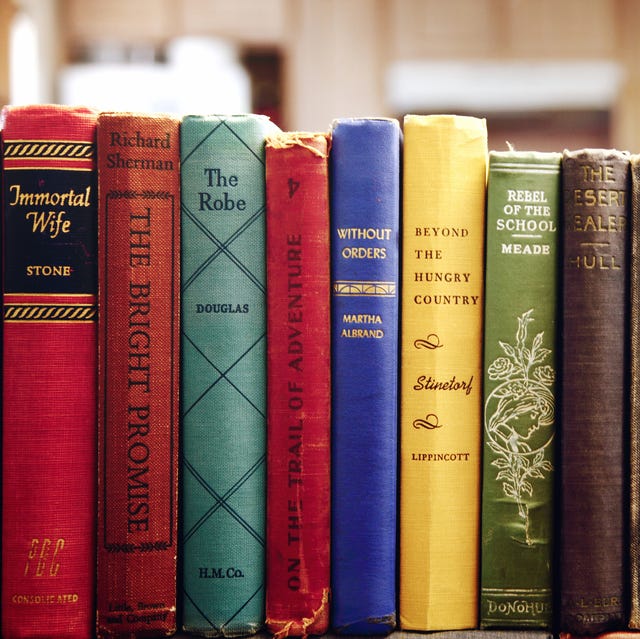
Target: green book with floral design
{"type": "Point", "coordinates": [520, 362]}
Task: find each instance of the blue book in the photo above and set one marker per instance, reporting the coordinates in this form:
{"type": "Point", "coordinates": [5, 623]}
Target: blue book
{"type": "Point", "coordinates": [365, 202]}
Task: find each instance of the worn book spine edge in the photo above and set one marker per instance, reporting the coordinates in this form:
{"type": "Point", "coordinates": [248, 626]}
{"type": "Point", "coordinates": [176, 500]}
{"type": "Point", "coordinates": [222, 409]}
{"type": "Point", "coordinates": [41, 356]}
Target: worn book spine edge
{"type": "Point", "coordinates": [520, 311]}
{"type": "Point", "coordinates": [594, 475]}
{"type": "Point", "coordinates": [138, 417]}
{"type": "Point", "coordinates": [299, 385]}
{"type": "Point", "coordinates": [634, 394]}
{"type": "Point", "coordinates": [445, 162]}
{"type": "Point", "coordinates": [49, 363]}
{"type": "Point", "coordinates": [365, 203]}
{"type": "Point", "coordinates": [219, 149]}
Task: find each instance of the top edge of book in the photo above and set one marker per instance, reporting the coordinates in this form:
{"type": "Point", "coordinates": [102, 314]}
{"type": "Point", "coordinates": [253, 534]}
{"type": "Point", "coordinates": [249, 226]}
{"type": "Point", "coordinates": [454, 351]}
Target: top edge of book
{"type": "Point", "coordinates": [596, 152]}
{"type": "Point", "coordinates": [445, 119]}
{"type": "Point", "coordinates": [524, 156]}
{"type": "Point", "coordinates": [226, 116]}
{"type": "Point", "coordinates": [316, 143]}
{"type": "Point", "coordinates": [365, 120]}
{"type": "Point", "coordinates": [49, 108]}
{"type": "Point", "coordinates": [143, 115]}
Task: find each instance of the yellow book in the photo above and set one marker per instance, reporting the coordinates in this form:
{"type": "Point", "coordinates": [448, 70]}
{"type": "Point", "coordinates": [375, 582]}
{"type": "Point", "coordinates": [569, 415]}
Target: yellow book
{"type": "Point", "coordinates": [445, 168]}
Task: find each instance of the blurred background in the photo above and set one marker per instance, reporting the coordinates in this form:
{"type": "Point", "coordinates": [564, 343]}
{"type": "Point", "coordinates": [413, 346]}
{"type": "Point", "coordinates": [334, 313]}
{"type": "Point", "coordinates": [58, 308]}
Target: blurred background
{"type": "Point", "coordinates": [547, 74]}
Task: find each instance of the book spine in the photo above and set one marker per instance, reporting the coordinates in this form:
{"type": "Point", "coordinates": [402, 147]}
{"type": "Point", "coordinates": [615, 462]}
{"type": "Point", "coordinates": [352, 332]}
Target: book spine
{"type": "Point", "coordinates": [224, 373]}
{"type": "Point", "coordinates": [138, 374]}
{"type": "Point", "coordinates": [445, 165]}
{"type": "Point", "coordinates": [594, 438]}
{"type": "Point", "coordinates": [520, 364]}
{"type": "Point", "coordinates": [49, 363]}
{"type": "Point", "coordinates": [634, 397]}
{"type": "Point", "coordinates": [299, 385]}
{"type": "Point", "coordinates": [365, 205]}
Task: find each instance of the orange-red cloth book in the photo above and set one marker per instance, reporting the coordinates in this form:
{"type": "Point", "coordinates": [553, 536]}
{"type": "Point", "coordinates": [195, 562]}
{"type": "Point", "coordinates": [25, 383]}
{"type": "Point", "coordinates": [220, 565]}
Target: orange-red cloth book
{"type": "Point", "coordinates": [138, 373]}
{"type": "Point", "coordinates": [298, 385]}
{"type": "Point", "coordinates": [49, 363]}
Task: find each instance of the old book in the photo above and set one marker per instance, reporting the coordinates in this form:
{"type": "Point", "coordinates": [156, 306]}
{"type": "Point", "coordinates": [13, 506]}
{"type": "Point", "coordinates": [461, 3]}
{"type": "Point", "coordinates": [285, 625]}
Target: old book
{"type": "Point", "coordinates": [138, 397]}
{"type": "Point", "coordinates": [299, 385]}
{"type": "Point", "coordinates": [477, 633]}
{"type": "Point", "coordinates": [520, 377]}
{"type": "Point", "coordinates": [592, 541]}
{"type": "Point", "coordinates": [49, 371]}
{"type": "Point", "coordinates": [445, 166]}
{"type": "Point", "coordinates": [365, 210]}
{"type": "Point", "coordinates": [224, 373]}
{"type": "Point", "coordinates": [613, 634]}
{"type": "Point", "coordinates": [634, 395]}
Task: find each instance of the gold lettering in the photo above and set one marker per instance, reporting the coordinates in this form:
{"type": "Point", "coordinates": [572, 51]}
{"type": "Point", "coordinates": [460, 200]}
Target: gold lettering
{"type": "Point", "coordinates": [44, 556]}
{"type": "Point", "coordinates": [606, 223]}
{"type": "Point", "coordinates": [46, 270]}
{"type": "Point", "coordinates": [51, 223]}
{"type": "Point", "coordinates": [70, 198]}
{"type": "Point", "coordinates": [598, 197]}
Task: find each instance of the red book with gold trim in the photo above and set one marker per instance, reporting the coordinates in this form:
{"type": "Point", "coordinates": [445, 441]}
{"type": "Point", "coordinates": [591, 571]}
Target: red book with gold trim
{"type": "Point", "coordinates": [138, 373]}
{"type": "Point", "coordinates": [298, 385]}
{"type": "Point", "coordinates": [49, 379]}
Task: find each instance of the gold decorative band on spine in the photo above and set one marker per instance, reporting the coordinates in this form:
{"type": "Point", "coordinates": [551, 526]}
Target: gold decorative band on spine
{"type": "Point", "coordinates": [27, 150]}
{"type": "Point", "coordinates": [364, 289]}
{"type": "Point", "coordinates": [50, 312]}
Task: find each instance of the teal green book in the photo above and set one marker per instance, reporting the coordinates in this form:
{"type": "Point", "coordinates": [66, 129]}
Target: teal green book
{"type": "Point", "coordinates": [520, 364]}
{"type": "Point", "coordinates": [223, 382]}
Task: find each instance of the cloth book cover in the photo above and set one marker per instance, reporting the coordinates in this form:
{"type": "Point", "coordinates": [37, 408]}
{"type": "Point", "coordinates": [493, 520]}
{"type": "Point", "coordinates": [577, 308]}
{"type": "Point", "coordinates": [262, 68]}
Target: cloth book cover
{"type": "Point", "coordinates": [138, 401]}
{"type": "Point", "coordinates": [49, 371]}
{"type": "Point", "coordinates": [594, 473]}
{"type": "Point", "coordinates": [298, 385]}
{"type": "Point", "coordinates": [365, 207]}
{"type": "Point", "coordinates": [223, 373]}
{"type": "Point", "coordinates": [520, 384]}
{"type": "Point", "coordinates": [445, 168]}
{"type": "Point", "coordinates": [634, 395]}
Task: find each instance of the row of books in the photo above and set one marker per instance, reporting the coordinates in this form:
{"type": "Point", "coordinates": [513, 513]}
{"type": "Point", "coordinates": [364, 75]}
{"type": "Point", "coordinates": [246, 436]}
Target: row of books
{"type": "Point", "coordinates": [320, 376]}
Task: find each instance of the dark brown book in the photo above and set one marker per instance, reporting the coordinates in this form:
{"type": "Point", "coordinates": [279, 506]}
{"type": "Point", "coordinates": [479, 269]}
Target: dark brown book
{"type": "Point", "coordinates": [596, 188]}
{"type": "Point", "coordinates": [634, 394]}
{"type": "Point", "coordinates": [138, 329]}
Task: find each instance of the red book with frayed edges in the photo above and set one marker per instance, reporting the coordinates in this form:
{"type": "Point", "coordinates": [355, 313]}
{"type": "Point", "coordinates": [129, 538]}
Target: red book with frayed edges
{"type": "Point", "coordinates": [298, 385]}
{"type": "Point", "coordinates": [138, 364]}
